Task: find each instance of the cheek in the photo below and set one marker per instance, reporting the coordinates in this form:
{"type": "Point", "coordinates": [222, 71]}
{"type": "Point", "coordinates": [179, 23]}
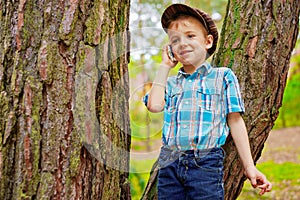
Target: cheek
{"type": "Point", "coordinates": [175, 49]}
{"type": "Point", "coordinates": [200, 46]}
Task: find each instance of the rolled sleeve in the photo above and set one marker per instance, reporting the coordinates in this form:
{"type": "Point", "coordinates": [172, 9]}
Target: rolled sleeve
{"type": "Point", "coordinates": [233, 95]}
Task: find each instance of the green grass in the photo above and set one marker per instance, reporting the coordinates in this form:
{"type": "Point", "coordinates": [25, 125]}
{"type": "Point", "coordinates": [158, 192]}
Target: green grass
{"type": "Point", "coordinates": [285, 178]}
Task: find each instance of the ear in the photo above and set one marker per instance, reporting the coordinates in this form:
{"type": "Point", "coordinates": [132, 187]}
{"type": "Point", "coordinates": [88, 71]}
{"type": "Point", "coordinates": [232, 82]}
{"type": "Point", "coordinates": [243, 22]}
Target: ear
{"type": "Point", "coordinates": [209, 41]}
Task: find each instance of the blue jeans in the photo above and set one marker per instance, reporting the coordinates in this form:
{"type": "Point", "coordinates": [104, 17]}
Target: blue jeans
{"type": "Point", "coordinates": [191, 174]}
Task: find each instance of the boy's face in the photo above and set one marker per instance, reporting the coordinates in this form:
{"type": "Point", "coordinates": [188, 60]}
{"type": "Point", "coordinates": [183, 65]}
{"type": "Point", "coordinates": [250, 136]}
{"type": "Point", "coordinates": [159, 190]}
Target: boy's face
{"type": "Point", "coordinates": [189, 41]}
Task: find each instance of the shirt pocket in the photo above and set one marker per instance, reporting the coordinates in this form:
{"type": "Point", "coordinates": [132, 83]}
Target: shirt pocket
{"type": "Point", "coordinates": [173, 99]}
{"type": "Point", "coordinates": [209, 99]}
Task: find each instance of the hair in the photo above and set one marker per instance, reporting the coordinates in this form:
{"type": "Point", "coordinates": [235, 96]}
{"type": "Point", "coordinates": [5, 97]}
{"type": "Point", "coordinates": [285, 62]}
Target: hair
{"type": "Point", "coordinates": [183, 16]}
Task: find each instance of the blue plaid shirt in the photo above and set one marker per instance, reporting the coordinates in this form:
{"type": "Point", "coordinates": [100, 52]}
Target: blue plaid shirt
{"type": "Point", "coordinates": [196, 106]}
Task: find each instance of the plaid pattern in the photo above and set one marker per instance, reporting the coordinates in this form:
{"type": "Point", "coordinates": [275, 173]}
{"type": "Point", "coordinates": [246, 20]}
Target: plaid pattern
{"type": "Point", "coordinates": [196, 107]}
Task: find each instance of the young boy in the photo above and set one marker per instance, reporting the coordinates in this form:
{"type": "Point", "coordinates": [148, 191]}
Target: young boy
{"type": "Point", "coordinates": [199, 104]}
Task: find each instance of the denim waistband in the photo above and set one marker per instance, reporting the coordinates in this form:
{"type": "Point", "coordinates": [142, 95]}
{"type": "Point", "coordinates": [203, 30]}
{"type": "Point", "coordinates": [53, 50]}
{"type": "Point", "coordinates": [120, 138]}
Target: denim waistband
{"type": "Point", "coordinates": [196, 153]}
{"type": "Point", "coordinates": [168, 156]}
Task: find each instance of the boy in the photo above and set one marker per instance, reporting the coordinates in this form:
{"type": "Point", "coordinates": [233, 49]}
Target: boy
{"type": "Point", "coordinates": [199, 104]}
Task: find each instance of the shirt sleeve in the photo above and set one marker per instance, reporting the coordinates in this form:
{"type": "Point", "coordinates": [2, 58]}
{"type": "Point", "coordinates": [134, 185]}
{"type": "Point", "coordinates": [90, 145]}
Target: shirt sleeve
{"type": "Point", "coordinates": [233, 97]}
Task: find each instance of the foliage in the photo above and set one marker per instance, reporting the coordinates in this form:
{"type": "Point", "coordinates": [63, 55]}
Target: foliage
{"type": "Point", "coordinates": [289, 112]}
{"type": "Point", "coordinates": [139, 180]}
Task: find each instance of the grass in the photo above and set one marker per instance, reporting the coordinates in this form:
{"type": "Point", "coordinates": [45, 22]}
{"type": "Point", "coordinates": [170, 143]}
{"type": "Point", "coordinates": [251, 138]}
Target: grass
{"type": "Point", "coordinates": [285, 178]}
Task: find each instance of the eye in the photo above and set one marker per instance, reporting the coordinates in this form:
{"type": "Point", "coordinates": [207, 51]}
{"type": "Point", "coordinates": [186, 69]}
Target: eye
{"type": "Point", "coordinates": [191, 35]}
{"type": "Point", "coordinates": [174, 41]}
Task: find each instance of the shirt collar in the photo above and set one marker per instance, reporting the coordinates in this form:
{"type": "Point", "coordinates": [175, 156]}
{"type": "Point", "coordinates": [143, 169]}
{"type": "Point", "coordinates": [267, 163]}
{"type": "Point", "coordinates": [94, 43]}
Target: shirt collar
{"type": "Point", "coordinates": [204, 69]}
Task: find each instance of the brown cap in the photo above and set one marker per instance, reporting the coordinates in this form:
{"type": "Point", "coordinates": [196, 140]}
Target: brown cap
{"type": "Point", "coordinates": [175, 10]}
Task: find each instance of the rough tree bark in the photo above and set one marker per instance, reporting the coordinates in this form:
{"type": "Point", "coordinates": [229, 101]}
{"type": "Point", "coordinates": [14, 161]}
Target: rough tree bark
{"type": "Point", "coordinates": [45, 47]}
{"type": "Point", "coordinates": [256, 42]}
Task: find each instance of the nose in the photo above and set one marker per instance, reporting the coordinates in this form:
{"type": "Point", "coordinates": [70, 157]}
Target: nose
{"type": "Point", "coordinates": [183, 41]}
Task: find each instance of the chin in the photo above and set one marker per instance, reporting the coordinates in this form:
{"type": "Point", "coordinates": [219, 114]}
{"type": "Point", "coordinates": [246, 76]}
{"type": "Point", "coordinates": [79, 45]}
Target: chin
{"type": "Point", "coordinates": [186, 63]}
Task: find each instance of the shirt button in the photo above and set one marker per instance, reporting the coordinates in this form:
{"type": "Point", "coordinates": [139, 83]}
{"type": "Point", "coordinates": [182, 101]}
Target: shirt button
{"type": "Point", "coordinates": [190, 81]}
{"type": "Point", "coordinates": [184, 126]}
{"type": "Point", "coordinates": [187, 102]}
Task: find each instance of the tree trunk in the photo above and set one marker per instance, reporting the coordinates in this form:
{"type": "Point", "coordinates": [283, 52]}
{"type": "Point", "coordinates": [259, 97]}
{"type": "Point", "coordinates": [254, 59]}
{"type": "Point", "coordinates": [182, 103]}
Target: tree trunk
{"type": "Point", "coordinates": [63, 70]}
{"type": "Point", "coordinates": [256, 42]}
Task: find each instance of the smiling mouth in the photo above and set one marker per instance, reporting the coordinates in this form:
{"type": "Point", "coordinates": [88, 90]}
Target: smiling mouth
{"type": "Point", "coordinates": [183, 53]}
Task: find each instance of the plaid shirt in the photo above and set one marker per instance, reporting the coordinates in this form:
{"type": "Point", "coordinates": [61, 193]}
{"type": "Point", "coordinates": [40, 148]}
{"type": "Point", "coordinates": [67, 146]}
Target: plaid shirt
{"type": "Point", "coordinates": [196, 106]}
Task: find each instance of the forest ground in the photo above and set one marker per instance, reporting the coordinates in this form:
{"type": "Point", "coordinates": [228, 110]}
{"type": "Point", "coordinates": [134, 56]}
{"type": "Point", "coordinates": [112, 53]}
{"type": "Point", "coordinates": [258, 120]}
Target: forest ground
{"type": "Point", "coordinates": [282, 145]}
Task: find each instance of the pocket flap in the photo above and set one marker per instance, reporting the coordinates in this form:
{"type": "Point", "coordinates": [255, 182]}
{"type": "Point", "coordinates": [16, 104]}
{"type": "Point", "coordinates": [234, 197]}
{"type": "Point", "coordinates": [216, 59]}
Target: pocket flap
{"type": "Point", "coordinates": [176, 91]}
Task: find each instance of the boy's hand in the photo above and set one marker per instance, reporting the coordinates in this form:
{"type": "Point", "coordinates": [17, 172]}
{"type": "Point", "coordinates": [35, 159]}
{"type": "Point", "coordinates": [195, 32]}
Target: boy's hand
{"type": "Point", "coordinates": [165, 58]}
{"type": "Point", "coordinates": [258, 179]}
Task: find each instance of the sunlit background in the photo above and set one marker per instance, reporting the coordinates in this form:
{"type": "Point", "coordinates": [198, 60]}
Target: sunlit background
{"type": "Point", "coordinates": [147, 39]}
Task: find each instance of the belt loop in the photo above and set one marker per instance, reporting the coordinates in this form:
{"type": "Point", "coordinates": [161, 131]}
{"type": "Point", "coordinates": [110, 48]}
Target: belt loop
{"type": "Point", "coordinates": [196, 153]}
{"type": "Point", "coordinates": [173, 155]}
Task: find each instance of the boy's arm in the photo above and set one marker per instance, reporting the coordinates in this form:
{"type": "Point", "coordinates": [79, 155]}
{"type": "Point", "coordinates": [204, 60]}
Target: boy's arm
{"type": "Point", "coordinates": [239, 134]}
{"type": "Point", "coordinates": [156, 96]}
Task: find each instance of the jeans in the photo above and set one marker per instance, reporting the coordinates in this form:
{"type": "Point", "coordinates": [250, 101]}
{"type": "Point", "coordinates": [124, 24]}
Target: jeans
{"type": "Point", "coordinates": [187, 175]}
